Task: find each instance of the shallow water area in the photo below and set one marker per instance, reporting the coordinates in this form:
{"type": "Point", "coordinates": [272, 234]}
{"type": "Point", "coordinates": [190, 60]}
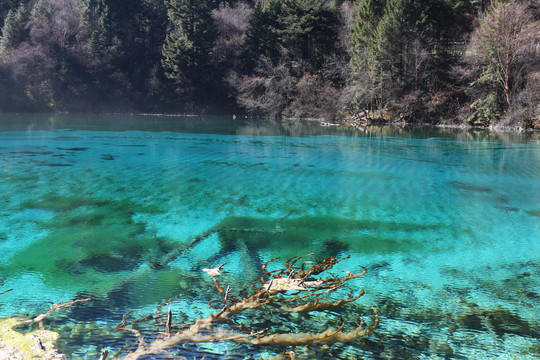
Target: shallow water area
{"type": "Point", "coordinates": [125, 210]}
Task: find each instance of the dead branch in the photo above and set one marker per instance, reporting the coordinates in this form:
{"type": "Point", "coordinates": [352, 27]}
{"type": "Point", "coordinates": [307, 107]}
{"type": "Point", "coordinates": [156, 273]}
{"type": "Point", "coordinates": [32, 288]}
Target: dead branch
{"type": "Point", "coordinates": [321, 306]}
{"type": "Point", "coordinates": [282, 286]}
{"type": "Point", "coordinates": [39, 319]}
{"type": "Point", "coordinates": [160, 307]}
{"type": "Point", "coordinates": [2, 280]}
{"type": "Point", "coordinates": [144, 319]}
{"type": "Point", "coordinates": [137, 333]}
{"type": "Point", "coordinates": [290, 263]}
{"type": "Point", "coordinates": [38, 343]}
{"type": "Point", "coordinates": [263, 268]}
{"type": "Point", "coordinates": [324, 265]}
{"type": "Point", "coordinates": [8, 290]}
{"type": "Point", "coordinates": [215, 271]}
{"type": "Point", "coordinates": [326, 337]}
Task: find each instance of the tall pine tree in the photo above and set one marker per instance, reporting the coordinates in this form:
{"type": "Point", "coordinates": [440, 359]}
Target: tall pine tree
{"type": "Point", "coordinates": [14, 29]}
{"type": "Point", "coordinates": [189, 42]}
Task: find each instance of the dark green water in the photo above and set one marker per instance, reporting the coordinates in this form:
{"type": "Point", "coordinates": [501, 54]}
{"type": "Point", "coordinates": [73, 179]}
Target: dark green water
{"type": "Point", "coordinates": [112, 207]}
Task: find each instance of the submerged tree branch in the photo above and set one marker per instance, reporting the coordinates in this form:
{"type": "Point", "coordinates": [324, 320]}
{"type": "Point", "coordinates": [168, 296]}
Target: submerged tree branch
{"type": "Point", "coordinates": [280, 287]}
{"type": "Point", "coordinates": [39, 319]}
{"type": "Point", "coordinates": [5, 291]}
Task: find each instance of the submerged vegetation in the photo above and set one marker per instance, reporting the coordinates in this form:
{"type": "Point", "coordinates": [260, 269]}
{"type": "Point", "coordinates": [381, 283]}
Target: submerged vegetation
{"type": "Point", "coordinates": [438, 62]}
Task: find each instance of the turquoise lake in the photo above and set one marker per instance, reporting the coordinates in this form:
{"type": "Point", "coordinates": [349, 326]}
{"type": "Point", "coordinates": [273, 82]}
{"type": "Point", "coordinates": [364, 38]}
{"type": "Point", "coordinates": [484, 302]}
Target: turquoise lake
{"type": "Point", "coordinates": [123, 209]}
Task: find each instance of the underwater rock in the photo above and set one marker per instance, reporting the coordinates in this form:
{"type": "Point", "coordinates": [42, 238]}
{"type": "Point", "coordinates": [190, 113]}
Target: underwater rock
{"type": "Point", "coordinates": [96, 243]}
{"type": "Point", "coordinates": [91, 311]}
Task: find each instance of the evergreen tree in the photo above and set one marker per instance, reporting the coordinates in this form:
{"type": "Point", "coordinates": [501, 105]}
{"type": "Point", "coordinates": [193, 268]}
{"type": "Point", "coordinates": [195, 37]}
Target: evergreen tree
{"type": "Point", "coordinates": [369, 13]}
{"type": "Point", "coordinates": [95, 17]}
{"type": "Point", "coordinates": [389, 45]}
{"type": "Point", "coordinates": [188, 45]}
{"type": "Point", "coordinates": [14, 29]}
{"type": "Point", "coordinates": [124, 40]}
{"type": "Point", "coordinates": [6, 6]}
{"type": "Point", "coordinates": [300, 30]}
{"type": "Point", "coordinates": [263, 33]}
{"type": "Point", "coordinates": [365, 40]}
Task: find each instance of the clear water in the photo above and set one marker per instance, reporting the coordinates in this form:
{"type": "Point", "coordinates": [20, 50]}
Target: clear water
{"type": "Point", "coordinates": [446, 222]}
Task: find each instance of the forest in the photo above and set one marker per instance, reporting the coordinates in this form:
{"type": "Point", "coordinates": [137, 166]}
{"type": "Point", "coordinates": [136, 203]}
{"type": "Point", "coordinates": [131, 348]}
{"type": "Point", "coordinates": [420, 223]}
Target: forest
{"type": "Point", "coordinates": [455, 62]}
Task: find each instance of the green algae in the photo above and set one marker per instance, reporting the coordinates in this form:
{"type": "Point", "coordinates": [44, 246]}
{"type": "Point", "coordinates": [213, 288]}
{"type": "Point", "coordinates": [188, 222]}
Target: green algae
{"type": "Point", "coordinates": [21, 346]}
{"type": "Point", "coordinates": [298, 235]}
{"type": "Point", "coordinates": [61, 203]}
{"type": "Point", "coordinates": [88, 241]}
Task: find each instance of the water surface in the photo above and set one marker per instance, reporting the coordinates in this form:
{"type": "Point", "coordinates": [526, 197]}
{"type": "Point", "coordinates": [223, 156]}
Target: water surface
{"type": "Point", "coordinates": [113, 208]}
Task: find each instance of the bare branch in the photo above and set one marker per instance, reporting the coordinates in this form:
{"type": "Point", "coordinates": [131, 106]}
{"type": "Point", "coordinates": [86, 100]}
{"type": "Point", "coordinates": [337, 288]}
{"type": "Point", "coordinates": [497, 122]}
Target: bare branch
{"type": "Point", "coordinates": [39, 319]}
{"type": "Point", "coordinates": [8, 290]}
{"type": "Point", "coordinates": [283, 286]}
{"type": "Point", "coordinates": [291, 264]}
{"type": "Point", "coordinates": [321, 306]}
{"type": "Point", "coordinates": [215, 271]}
{"type": "Point", "coordinates": [122, 326]}
{"type": "Point", "coordinates": [263, 268]}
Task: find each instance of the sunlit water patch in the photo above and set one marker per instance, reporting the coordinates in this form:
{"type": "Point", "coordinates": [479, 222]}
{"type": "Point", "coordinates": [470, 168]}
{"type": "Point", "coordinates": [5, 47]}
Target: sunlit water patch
{"type": "Point", "coordinates": [129, 210]}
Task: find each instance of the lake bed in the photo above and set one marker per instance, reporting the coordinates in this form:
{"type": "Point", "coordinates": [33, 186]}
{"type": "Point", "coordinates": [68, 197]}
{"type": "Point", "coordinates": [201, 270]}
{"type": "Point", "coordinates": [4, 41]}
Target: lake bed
{"type": "Point", "coordinates": [446, 224]}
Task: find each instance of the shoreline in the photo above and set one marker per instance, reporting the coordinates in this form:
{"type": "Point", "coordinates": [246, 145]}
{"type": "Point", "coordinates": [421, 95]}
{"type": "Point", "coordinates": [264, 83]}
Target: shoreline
{"type": "Point", "coordinates": [357, 121]}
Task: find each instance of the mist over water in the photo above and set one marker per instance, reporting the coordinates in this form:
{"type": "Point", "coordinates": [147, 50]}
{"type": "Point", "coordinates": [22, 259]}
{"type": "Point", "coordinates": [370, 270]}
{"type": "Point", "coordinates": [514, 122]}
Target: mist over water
{"type": "Point", "coordinates": [446, 222]}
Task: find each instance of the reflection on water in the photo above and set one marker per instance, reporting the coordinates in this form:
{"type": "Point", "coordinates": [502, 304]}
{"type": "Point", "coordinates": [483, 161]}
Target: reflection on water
{"type": "Point", "coordinates": [127, 210]}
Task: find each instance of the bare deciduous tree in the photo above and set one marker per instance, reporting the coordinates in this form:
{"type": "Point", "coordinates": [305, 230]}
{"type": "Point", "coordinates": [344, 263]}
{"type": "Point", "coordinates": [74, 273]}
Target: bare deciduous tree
{"type": "Point", "coordinates": [268, 91]}
{"type": "Point", "coordinates": [232, 23]}
{"type": "Point", "coordinates": [499, 42]}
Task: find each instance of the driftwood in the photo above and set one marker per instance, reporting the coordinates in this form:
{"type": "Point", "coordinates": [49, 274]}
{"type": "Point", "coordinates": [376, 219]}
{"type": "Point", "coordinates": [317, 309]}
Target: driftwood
{"type": "Point", "coordinates": [39, 319]}
{"type": "Point", "coordinates": [286, 290]}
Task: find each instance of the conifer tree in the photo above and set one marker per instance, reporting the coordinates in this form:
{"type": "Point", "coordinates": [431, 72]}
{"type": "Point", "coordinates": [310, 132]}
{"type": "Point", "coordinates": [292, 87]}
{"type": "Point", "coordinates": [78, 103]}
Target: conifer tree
{"type": "Point", "coordinates": [188, 45]}
{"type": "Point", "coordinates": [308, 29]}
{"type": "Point", "coordinates": [6, 6]}
{"type": "Point", "coordinates": [388, 45]}
{"type": "Point", "coordinates": [263, 32]}
{"type": "Point", "coordinates": [14, 31]}
{"type": "Point", "coordinates": [366, 41]}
